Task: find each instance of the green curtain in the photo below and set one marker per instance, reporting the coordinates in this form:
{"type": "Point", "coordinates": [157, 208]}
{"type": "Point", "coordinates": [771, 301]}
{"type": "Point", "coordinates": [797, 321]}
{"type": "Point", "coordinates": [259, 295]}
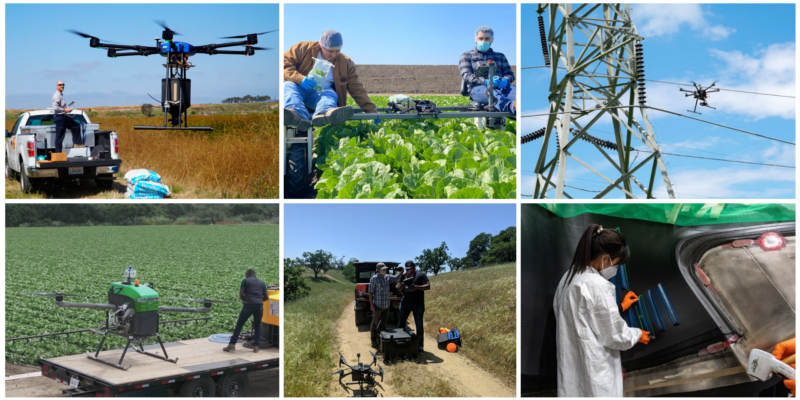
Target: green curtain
{"type": "Point", "coordinates": [688, 214]}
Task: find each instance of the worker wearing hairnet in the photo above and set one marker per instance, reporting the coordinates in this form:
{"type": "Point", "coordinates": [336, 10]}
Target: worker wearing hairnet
{"type": "Point", "coordinates": [590, 333]}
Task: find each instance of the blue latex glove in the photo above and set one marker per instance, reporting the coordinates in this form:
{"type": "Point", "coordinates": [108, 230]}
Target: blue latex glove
{"type": "Point", "coordinates": [500, 83]}
{"type": "Point", "coordinates": [308, 84]}
{"type": "Point", "coordinates": [377, 121]}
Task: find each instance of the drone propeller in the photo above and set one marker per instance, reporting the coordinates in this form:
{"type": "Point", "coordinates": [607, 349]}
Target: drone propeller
{"type": "Point", "coordinates": [199, 300]}
{"type": "Point", "coordinates": [260, 48]}
{"type": "Point", "coordinates": [244, 36]}
{"type": "Point", "coordinates": [87, 36]}
{"type": "Point", "coordinates": [338, 372]}
{"type": "Point", "coordinates": [164, 25]}
{"type": "Point", "coordinates": [51, 294]}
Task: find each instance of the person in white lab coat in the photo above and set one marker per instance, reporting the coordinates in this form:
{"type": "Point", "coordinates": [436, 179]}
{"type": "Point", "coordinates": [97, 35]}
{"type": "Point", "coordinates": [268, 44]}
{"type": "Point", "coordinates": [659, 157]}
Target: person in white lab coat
{"type": "Point", "coordinates": [589, 329]}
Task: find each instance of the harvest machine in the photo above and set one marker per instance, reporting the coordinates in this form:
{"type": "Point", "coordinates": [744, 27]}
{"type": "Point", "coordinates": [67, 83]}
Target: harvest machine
{"type": "Point", "coordinates": [176, 89]}
{"type": "Point", "coordinates": [299, 144]}
{"type": "Point", "coordinates": [133, 312]}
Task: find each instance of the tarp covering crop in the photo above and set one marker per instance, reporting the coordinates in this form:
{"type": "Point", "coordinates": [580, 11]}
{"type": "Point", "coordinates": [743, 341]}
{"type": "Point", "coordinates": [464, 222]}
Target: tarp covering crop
{"type": "Point", "coordinates": [689, 214]}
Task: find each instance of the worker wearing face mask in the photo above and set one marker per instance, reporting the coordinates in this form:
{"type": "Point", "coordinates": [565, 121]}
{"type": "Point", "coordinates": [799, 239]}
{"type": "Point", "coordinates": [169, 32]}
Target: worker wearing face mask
{"type": "Point", "coordinates": [504, 91]}
{"type": "Point", "coordinates": [590, 333]}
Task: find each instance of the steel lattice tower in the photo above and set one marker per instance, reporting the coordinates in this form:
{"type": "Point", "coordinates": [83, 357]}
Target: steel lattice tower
{"type": "Point", "coordinates": [603, 76]}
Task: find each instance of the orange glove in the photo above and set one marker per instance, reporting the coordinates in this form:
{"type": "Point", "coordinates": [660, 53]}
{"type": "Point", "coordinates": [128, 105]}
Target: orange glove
{"type": "Point", "coordinates": [782, 351]}
{"type": "Point", "coordinates": [645, 339]}
{"type": "Point", "coordinates": [629, 299]}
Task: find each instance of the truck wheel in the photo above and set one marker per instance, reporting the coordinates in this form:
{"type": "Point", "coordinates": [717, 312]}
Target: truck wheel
{"type": "Point", "coordinates": [234, 385]}
{"type": "Point", "coordinates": [25, 183]}
{"type": "Point", "coordinates": [359, 317]}
{"type": "Point", "coordinates": [9, 171]}
{"type": "Point", "coordinates": [203, 387]}
{"type": "Point", "coordinates": [104, 184]}
{"type": "Point", "coordinates": [297, 171]}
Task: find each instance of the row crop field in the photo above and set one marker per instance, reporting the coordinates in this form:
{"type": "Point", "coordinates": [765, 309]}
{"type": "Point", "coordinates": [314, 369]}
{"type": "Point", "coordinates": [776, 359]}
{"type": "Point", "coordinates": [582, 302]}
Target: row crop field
{"type": "Point", "coordinates": [181, 261]}
{"type": "Point", "coordinates": [422, 159]}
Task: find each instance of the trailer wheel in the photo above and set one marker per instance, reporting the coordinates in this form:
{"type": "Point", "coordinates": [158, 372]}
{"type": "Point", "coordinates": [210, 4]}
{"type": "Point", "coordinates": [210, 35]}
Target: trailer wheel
{"type": "Point", "coordinates": [234, 385]}
{"type": "Point", "coordinates": [203, 387]}
{"type": "Point", "coordinates": [25, 183]}
{"type": "Point", "coordinates": [359, 317]}
{"type": "Point", "coordinates": [297, 171]}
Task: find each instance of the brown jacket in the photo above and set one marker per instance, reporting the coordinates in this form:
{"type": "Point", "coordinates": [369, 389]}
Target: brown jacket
{"type": "Point", "coordinates": [298, 62]}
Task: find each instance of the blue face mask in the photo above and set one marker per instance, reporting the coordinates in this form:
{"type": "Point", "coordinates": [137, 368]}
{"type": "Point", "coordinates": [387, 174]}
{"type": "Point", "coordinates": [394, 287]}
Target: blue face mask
{"type": "Point", "coordinates": [483, 46]}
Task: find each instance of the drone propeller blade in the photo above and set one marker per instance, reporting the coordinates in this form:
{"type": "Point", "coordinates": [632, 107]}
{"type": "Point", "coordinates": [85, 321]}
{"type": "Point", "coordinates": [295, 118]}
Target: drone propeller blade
{"type": "Point", "coordinates": [338, 372]}
{"type": "Point", "coordinates": [51, 294]}
{"type": "Point", "coordinates": [244, 36]}
{"type": "Point", "coordinates": [260, 48]}
{"type": "Point", "coordinates": [87, 36]}
{"type": "Point", "coordinates": [380, 369]}
{"type": "Point", "coordinates": [164, 25]}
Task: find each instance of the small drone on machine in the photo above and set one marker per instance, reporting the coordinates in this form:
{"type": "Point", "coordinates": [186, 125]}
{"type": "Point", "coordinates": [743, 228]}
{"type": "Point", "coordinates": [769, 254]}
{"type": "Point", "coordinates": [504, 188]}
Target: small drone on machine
{"type": "Point", "coordinates": [361, 374]}
{"type": "Point", "coordinates": [176, 88]}
{"type": "Point", "coordinates": [700, 96]}
{"type": "Point", "coordinates": [133, 312]}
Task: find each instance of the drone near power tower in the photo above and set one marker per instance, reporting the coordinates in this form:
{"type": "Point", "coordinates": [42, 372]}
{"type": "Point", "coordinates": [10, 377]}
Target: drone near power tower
{"type": "Point", "coordinates": [361, 374]}
{"type": "Point", "coordinates": [176, 88]}
{"type": "Point", "coordinates": [700, 96]}
{"type": "Point", "coordinates": [132, 312]}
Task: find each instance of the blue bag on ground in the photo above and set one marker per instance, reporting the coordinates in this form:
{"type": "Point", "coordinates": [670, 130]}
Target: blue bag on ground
{"type": "Point", "coordinates": [145, 184]}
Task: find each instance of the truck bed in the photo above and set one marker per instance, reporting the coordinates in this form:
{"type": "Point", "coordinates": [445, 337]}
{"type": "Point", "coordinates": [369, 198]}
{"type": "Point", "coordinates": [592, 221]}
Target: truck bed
{"type": "Point", "coordinates": [195, 357]}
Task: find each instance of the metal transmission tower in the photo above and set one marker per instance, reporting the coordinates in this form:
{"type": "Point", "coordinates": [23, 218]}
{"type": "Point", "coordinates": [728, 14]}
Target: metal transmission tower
{"type": "Point", "coordinates": [596, 62]}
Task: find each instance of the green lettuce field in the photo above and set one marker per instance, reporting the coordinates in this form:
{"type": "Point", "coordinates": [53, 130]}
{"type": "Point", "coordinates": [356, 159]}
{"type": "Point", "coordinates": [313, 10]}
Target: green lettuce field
{"type": "Point", "coordinates": [182, 261]}
{"type": "Point", "coordinates": [425, 159]}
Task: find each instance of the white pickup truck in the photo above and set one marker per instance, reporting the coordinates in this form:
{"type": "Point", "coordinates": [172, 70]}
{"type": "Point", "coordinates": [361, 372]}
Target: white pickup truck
{"type": "Point", "coordinates": [31, 141]}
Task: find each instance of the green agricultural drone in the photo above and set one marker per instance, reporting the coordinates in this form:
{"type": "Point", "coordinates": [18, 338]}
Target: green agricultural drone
{"type": "Point", "coordinates": [132, 312]}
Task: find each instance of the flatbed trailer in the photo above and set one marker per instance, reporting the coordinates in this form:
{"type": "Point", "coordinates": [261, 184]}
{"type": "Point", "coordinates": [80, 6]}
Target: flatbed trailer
{"type": "Point", "coordinates": [202, 370]}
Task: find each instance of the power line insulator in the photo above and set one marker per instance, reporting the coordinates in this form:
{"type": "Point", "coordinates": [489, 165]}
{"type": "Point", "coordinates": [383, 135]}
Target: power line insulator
{"type": "Point", "coordinates": [640, 73]}
{"type": "Point", "coordinates": [533, 136]}
{"type": "Point", "coordinates": [543, 37]}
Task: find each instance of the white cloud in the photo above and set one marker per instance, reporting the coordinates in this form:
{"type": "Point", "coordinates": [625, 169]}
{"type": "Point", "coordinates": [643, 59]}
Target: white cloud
{"type": "Point", "coordinates": [729, 183]}
{"type": "Point", "coordinates": [770, 70]}
{"type": "Point", "coordinates": [653, 20]}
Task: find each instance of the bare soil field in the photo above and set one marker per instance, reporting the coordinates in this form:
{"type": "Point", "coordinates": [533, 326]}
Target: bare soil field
{"type": "Point", "coordinates": [412, 79]}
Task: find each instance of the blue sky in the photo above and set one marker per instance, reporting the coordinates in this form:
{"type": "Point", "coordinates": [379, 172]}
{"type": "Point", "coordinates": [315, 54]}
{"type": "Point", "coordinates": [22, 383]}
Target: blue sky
{"type": "Point", "coordinates": [389, 232]}
{"type": "Point", "coordinates": [728, 43]}
{"type": "Point", "coordinates": [404, 34]}
{"type": "Point", "coordinates": [39, 52]}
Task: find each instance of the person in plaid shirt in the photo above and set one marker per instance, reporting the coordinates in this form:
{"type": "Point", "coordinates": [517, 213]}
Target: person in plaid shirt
{"type": "Point", "coordinates": [379, 300]}
{"type": "Point", "coordinates": [504, 91]}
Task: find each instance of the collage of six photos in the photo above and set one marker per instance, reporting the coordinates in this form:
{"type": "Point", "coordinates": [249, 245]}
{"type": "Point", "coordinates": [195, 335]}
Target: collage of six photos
{"type": "Point", "coordinates": [431, 200]}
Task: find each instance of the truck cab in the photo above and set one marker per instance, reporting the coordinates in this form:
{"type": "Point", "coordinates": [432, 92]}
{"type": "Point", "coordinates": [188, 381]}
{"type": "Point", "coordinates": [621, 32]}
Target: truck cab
{"type": "Point", "coordinates": [364, 271]}
{"type": "Point", "coordinates": [30, 149]}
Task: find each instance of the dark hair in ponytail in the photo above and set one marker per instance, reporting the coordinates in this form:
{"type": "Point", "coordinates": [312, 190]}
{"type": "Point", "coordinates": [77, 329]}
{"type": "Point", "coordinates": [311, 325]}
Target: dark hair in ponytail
{"type": "Point", "coordinates": [594, 242]}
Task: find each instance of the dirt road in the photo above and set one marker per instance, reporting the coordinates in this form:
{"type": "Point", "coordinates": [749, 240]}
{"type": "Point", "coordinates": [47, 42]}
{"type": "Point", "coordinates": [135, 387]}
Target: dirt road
{"type": "Point", "coordinates": [462, 374]}
{"type": "Point", "coordinates": [262, 383]}
{"type": "Point", "coordinates": [328, 276]}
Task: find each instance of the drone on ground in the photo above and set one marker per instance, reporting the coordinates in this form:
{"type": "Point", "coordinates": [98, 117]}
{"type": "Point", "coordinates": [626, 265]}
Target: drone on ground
{"type": "Point", "coordinates": [175, 88]}
{"type": "Point", "coordinates": [132, 312]}
{"type": "Point", "coordinates": [700, 96]}
{"type": "Point", "coordinates": [361, 374]}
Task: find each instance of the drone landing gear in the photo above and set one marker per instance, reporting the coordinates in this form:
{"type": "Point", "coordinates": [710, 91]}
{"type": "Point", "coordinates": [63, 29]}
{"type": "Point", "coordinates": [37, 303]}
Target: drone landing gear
{"type": "Point", "coordinates": [141, 350]}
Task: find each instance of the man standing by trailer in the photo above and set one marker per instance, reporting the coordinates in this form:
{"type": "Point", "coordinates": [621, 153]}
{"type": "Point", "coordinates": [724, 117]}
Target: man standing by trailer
{"type": "Point", "coordinates": [329, 105]}
{"type": "Point", "coordinates": [63, 121]}
{"type": "Point", "coordinates": [414, 284]}
{"type": "Point", "coordinates": [253, 293]}
{"type": "Point", "coordinates": [504, 91]}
